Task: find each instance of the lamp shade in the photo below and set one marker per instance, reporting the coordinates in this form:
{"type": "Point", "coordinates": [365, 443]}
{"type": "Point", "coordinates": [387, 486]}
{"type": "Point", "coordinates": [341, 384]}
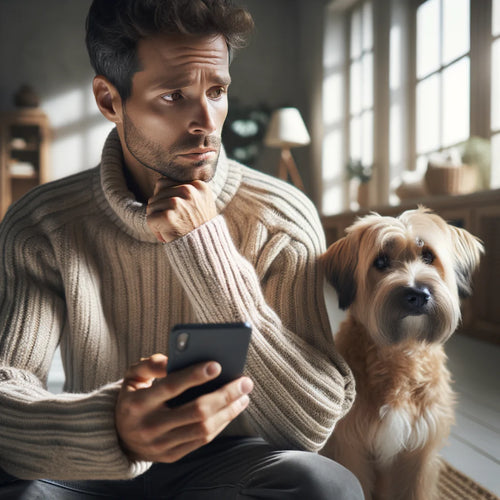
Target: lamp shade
{"type": "Point", "coordinates": [286, 129]}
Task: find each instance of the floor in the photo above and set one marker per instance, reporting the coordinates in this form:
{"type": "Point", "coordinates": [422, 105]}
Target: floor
{"type": "Point", "coordinates": [474, 444]}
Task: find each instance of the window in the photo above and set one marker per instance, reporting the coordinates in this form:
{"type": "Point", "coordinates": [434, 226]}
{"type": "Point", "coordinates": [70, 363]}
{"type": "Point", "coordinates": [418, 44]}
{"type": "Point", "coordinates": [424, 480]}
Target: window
{"type": "Point", "coordinates": [443, 76]}
{"type": "Point", "coordinates": [361, 85]}
{"type": "Point", "coordinates": [347, 101]}
{"type": "Point", "coordinates": [410, 78]}
{"type": "Point", "coordinates": [333, 111]}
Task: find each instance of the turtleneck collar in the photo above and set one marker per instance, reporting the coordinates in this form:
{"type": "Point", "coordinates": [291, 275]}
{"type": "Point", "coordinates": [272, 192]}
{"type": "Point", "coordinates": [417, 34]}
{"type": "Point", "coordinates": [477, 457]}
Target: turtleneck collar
{"type": "Point", "coordinates": [130, 213]}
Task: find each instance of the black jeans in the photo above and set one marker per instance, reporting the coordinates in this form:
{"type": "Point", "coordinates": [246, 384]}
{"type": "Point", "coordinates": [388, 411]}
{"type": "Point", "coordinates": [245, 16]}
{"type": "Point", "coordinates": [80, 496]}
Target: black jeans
{"type": "Point", "coordinates": [228, 468]}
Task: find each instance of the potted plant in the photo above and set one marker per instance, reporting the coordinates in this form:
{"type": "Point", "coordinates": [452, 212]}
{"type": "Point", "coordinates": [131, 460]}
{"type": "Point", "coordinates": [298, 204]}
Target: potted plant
{"type": "Point", "coordinates": [363, 173]}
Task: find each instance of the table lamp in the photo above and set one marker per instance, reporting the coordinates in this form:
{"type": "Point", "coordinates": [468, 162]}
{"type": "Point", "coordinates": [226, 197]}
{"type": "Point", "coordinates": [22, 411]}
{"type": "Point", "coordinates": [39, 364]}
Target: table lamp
{"type": "Point", "coordinates": [287, 130]}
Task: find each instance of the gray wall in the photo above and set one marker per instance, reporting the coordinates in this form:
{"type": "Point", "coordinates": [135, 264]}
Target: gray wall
{"type": "Point", "coordinates": [42, 44]}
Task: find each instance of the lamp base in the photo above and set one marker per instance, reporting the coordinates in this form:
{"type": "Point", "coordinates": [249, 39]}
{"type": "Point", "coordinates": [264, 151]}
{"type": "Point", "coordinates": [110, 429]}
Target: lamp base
{"type": "Point", "coordinates": [287, 167]}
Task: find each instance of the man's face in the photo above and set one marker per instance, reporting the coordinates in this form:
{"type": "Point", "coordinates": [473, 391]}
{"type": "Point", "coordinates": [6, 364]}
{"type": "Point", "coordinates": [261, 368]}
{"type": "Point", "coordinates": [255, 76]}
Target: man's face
{"type": "Point", "coordinates": [172, 121]}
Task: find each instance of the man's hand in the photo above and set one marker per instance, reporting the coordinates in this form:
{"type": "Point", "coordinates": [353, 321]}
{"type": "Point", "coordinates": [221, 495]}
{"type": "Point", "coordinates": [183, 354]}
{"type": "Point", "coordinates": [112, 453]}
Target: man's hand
{"type": "Point", "coordinates": [174, 211]}
{"type": "Point", "coordinates": [151, 431]}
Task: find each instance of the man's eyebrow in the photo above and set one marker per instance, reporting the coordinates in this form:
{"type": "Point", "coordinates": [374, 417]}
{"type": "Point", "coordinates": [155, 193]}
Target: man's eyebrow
{"type": "Point", "coordinates": [223, 80]}
{"type": "Point", "coordinates": [180, 83]}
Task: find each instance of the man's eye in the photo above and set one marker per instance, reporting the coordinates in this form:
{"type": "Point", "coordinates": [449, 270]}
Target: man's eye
{"type": "Point", "coordinates": [216, 93]}
{"type": "Point", "coordinates": [172, 97]}
{"type": "Point", "coordinates": [382, 262]}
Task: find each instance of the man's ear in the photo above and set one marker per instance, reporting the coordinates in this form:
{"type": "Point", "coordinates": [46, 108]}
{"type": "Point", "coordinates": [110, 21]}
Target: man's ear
{"type": "Point", "coordinates": [107, 98]}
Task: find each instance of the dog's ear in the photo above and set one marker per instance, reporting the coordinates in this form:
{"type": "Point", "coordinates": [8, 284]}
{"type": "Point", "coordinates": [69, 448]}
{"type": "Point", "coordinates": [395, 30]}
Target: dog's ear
{"type": "Point", "coordinates": [467, 251]}
{"type": "Point", "coordinates": [339, 264]}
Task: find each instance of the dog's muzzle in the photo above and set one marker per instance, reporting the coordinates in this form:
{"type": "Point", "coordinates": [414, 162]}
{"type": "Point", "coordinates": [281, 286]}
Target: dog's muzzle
{"type": "Point", "coordinates": [414, 300]}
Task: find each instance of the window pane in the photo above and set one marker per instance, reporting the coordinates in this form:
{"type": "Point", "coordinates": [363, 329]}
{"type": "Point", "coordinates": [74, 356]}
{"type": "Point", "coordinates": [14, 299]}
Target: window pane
{"type": "Point", "coordinates": [395, 58]}
{"type": "Point", "coordinates": [495, 161]}
{"type": "Point", "coordinates": [356, 34]}
{"type": "Point", "coordinates": [456, 91]}
{"type": "Point", "coordinates": [367, 80]}
{"type": "Point", "coordinates": [495, 28]}
{"type": "Point", "coordinates": [428, 105]}
{"type": "Point", "coordinates": [333, 99]}
{"type": "Point", "coordinates": [355, 87]}
{"type": "Point", "coordinates": [367, 26]}
{"type": "Point", "coordinates": [455, 29]}
{"type": "Point", "coordinates": [333, 170]}
{"type": "Point", "coordinates": [333, 175]}
{"type": "Point", "coordinates": [427, 38]}
{"type": "Point", "coordinates": [495, 85]}
{"type": "Point", "coordinates": [355, 137]}
{"type": "Point", "coordinates": [396, 135]}
{"type": "Point", "coordinates": [367, 138]}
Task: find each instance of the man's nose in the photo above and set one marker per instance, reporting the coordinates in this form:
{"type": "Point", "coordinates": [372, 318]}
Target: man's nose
{"type": "Point", "coordinates": [203, 121]}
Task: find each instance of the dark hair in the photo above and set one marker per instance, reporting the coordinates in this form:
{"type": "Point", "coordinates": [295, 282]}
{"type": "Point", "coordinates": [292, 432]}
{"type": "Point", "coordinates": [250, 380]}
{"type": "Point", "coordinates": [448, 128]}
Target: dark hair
{"type": "Point", "coordinates": [114, 28]}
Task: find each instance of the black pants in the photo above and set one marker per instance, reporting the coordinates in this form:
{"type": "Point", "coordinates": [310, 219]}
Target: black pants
{"type": "Point", "coordinates": [228, 468]}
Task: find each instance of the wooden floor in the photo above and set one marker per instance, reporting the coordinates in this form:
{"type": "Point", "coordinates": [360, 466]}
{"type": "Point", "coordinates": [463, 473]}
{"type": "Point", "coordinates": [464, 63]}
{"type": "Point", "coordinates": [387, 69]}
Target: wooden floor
{"type": "Point", "coordinates": [474, 444]}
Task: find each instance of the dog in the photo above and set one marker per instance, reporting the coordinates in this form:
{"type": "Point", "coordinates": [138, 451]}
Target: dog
{"type": "Point", "coordinates": [400, 280]}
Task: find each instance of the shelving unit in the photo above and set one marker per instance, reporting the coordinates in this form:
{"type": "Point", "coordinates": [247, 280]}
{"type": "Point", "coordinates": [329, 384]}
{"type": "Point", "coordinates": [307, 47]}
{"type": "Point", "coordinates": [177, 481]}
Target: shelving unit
{"type": "Point", "coordinates": [24, 148]}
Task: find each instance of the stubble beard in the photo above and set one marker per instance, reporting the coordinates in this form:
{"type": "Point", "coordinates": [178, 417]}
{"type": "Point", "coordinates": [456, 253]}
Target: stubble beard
{"type": "Point", "coordinates": [161, 160]}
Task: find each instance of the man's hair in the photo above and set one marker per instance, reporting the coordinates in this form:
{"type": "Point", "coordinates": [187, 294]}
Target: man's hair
{"type": "Point", "coordinates": [114, 28]}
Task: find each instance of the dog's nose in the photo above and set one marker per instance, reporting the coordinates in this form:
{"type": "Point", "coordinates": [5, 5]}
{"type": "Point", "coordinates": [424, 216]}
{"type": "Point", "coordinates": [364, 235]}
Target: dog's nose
{"type": "Point", "coordinates": [415, 298]}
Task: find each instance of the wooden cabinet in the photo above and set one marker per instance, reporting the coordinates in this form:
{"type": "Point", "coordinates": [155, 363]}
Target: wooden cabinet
{"type": "Point", "coordinates": [479, 213]}
{"type": "Point", "coordinates": [24, 147]}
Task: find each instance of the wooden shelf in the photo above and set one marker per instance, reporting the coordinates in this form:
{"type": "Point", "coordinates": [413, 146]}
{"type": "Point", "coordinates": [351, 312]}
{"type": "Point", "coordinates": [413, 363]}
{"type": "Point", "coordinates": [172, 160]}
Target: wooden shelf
{"type": "Point", "coordinates": [32, 127]}
{"type": "Point", "coordinates": [22, 176]}
{"type": "Point", "coordinates": [27, 149]}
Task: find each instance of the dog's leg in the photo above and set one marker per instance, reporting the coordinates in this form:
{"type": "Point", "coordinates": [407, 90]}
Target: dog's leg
{"type": "Point", "coordinates": [352, 455]}
{"type": "Point", "coordinates": [415, 475]}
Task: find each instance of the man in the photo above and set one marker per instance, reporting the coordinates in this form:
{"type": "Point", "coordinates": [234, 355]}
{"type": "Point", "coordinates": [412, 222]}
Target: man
{"type": "Point", "coordinates": [166, 230]}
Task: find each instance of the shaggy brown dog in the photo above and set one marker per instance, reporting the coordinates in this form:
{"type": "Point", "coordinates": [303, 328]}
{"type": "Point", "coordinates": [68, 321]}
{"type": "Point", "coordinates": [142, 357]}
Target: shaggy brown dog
{"type": "Point", "coordinates": [401, 280]}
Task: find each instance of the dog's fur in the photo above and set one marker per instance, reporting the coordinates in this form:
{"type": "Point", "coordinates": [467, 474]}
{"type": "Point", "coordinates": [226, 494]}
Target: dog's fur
{"type": "Point", "coordinates": [401, 280]}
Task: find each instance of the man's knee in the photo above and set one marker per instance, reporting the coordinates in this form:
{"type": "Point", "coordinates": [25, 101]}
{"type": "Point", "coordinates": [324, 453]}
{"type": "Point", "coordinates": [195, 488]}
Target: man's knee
{"type": "Point", "coordinates": [308, 475]}
{"type": "Point", "coordinates": [323, 478]}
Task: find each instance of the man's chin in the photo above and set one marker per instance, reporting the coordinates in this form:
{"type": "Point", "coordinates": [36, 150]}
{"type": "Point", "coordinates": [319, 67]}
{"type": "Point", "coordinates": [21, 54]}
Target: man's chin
{"type": "Point", "coordinates": [184, 174]}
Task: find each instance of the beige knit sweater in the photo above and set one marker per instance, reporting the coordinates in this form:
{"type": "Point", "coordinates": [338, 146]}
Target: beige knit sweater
{"type": "Point", "coordinates": [80, 269]}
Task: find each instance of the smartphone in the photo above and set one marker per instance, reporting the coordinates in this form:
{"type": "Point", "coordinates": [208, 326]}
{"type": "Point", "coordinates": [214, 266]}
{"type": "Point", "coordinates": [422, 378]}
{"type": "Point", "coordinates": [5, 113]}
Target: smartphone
{"type": "Point", "coordinates": [226, 343]}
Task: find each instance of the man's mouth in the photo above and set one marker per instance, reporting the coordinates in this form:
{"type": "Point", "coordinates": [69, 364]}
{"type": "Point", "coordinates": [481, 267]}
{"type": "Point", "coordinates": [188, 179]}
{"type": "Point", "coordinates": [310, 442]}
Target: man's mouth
{"type": "Point", "coordinates": [201, 154]}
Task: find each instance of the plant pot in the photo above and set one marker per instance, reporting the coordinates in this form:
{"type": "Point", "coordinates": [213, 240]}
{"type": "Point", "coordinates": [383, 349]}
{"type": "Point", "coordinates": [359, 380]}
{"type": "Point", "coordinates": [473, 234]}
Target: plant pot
{"type": "Point", "coordinates": [364, 195]}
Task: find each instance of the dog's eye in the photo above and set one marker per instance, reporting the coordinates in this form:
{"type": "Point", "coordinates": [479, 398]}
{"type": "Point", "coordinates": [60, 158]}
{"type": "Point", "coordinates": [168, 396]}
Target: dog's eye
{"type": "Point", "coordinates": [382, 262]}
{"type": "Point", "coordinates": [427, 256]}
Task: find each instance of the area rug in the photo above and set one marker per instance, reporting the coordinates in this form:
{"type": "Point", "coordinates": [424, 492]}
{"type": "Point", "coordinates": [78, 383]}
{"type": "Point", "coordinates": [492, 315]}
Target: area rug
{"type": "Point", "coordinates": [453, 485]}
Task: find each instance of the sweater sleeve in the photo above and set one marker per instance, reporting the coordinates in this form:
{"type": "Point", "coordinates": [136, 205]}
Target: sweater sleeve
{"type": "Point", "coordinates": [42, 435]}
{"type": "Point", "coordinates": [302, 386]}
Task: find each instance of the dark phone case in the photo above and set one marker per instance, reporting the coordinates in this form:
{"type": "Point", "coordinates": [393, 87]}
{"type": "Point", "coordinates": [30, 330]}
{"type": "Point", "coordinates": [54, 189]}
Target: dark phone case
{"type": "Point", "coordinates": [226, 343]}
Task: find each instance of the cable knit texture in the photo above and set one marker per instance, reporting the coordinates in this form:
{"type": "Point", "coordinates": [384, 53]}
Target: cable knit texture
{"type": "Point", "coordinates": [81, 269]}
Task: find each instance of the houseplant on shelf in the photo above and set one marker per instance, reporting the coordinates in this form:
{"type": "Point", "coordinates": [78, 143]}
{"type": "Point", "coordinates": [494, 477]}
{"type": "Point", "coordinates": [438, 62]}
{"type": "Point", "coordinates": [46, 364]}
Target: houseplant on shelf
{"type": "Point", "coordinates": [363, 173]}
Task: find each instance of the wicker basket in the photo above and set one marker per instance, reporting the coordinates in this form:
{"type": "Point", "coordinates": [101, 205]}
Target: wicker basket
{"type": "Point", "coordinates": [445, 179]}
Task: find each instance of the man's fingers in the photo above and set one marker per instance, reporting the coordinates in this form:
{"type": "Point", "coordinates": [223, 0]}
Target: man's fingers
{"type": "Point", "coordinates": [168, 387]}
{"type": "Point", "coordinates": [168, 197]}
{"type": "Point", "coordinates": [197, 423]}
{"type": "Point", "coordinates": [142, 374]}
{"type": "Point", "coordinates": [225, 402]}
{"type": "Point", "coordinates": [180, 381]}
{"type": "Point", "coordinates": [163, 183]}
{"type": "Point", "coordinates": [186, 439]}
{"type": "Point", "coordinates": [150, 430]}
{"type": "Point", "coordinates": [206, 425]}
